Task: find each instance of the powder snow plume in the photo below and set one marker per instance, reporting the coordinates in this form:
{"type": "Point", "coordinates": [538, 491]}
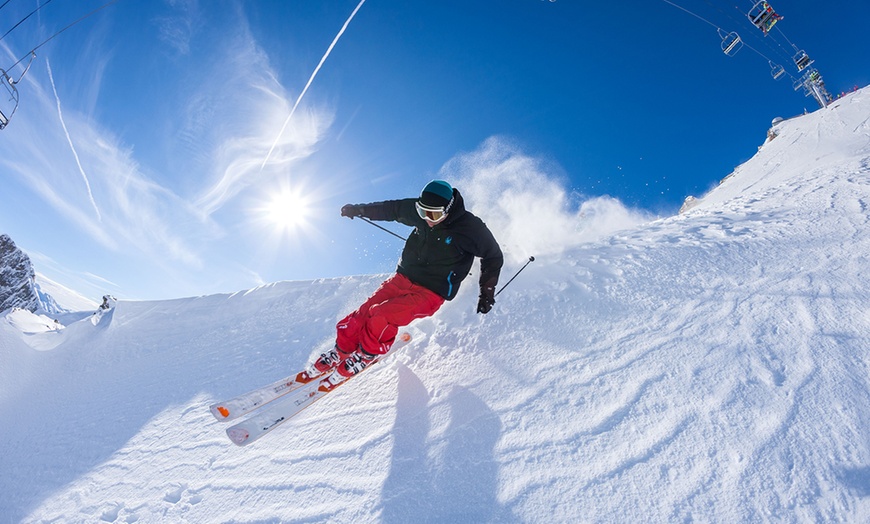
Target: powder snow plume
{"type": "Point", "coordinates": [526, 205]}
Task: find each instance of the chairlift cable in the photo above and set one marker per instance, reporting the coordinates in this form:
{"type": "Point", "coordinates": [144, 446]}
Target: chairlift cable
{"type": "Point", "coordinates": [4, 4]}
{"type": "Point", "coordinates": [726, 13]}
{"type": "Point", "coordinates": [769, 61]}
{"type": "Point", "coordinates": [782, 52]}
{"type": "Point", "coordinates": [787, 40]}
{"type": "Point", "coordinates": [49, 39]}
{"type": "Point", "coordinates": [691, 13]}
{"type": "Point", "coordinates": [789, 57]}
{"type": "Point", "coordinates": [731, 41]}
{"type": "Point", "coordinates": [720, 30]}
{"type": "Point", "coordinates": [779, 50]}
{"type": "Point", "coordinates": [25, 18]}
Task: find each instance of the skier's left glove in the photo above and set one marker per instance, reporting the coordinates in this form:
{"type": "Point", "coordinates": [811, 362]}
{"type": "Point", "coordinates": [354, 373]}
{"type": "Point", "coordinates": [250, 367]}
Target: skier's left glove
{"type": "Point", "coordinates": [486, 300]}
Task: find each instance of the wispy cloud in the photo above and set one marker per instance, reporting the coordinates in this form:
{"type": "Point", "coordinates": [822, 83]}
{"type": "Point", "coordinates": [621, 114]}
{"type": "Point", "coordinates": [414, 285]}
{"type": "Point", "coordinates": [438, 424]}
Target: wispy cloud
{"type": "Point", "coordinates": [237, 158]}
{"type": "Point", "coordinates": [242, 159]}
{"type": "Point", "coordinates": [137, 213]}
{"type": "Point", "coordinates": [310, 80]}
{"type": "Point", "coordinates": [177, 30]}
{"type": "Point", "coordinates": [157, 180]}
{"type": "Point", "coordinates": [232, 119]}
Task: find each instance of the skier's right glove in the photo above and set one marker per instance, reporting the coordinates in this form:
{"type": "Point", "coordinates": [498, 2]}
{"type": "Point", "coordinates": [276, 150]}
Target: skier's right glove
{"type": "Point", "coordinates": [351, 210]}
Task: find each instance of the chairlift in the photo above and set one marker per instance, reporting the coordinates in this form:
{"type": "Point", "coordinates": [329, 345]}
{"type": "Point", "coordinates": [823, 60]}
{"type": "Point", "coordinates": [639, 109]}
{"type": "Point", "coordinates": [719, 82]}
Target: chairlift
{"type": "Point", "coordinates": [776, 70]}
{"type": "Point", "coordinates": [798, 84]}
{"type": "Point", "coordinates": [814, 86]}
{"type": "Point", "coordinates": [8, 108]}
{"type": "Point", "coordinates": [763, 16]}
{"type": "Point", "coordinates": [802, 60]}
{"type": "Point", "coordinates": [806, 80]}
{"type": "Point", "coordinates": [731, 42]}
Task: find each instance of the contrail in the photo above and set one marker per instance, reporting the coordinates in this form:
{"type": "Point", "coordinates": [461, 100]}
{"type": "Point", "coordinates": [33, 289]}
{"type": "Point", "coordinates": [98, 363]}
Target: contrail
{"type": "Point", "coordinates": [314, 74]}
{"type": "Point", "coordinates": [71, 146]}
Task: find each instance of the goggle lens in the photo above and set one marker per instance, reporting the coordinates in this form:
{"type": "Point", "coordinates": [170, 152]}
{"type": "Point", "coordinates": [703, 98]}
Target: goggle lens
{"type": "Point", "coordinates": [431, 214]}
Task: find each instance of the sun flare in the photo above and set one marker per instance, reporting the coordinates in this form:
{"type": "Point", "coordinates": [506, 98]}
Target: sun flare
{"type": "Point", "coordinates": [287, 210]}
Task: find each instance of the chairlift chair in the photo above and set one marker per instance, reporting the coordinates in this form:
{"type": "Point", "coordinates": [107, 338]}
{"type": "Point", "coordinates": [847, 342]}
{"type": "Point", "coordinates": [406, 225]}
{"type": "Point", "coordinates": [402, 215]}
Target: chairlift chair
{"type": "Point", "coordinates": [776, 71]}
{"type": "Point", "coordinates": [798, 84]}
{"type": "Point", "coordinates": [802, 60]}
{"type": "Point", "coordinates": [731, 42]}
{"type": "Point", "coordinates": [763, 16]}
{"type": "Point", "coordinates": [9, 108]}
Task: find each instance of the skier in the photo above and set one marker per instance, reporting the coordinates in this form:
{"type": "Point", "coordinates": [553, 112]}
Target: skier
{"type": "Point", "coordinates": [436, 258]}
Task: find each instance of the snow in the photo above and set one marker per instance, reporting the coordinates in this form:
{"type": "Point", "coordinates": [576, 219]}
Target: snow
{"type": "Point", "coordinates": [709, 367]}
{"type": "Point", "coordinates": [31, 323]}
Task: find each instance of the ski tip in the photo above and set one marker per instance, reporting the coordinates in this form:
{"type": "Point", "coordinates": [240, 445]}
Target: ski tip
{"type": "Point", "coordinates": [304, 377]}
{"type": "Point", "coordinates": [220, 412]}
{"type": "Point", "coordinates": [239, 436]}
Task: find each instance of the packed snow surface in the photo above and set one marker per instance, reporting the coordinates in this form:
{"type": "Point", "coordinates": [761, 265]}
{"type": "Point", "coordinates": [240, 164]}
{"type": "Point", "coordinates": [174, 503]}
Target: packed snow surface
{"type": "Point", "coordinates": [709, 367]}
{"type": "Point", "coordinates": [31, 323]}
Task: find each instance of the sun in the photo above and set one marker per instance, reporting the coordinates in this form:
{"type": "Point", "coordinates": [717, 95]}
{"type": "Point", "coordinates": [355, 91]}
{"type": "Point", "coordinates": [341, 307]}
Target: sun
{"type": "Point", "coordinates": [287, 210]}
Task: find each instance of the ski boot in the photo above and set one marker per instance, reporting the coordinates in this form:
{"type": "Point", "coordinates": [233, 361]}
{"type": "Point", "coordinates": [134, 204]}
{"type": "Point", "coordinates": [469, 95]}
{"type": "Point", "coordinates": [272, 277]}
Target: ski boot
{"type": "Point", "coordinates": [325, 363]}
{"type": "Point", "coordinates": [348, 367]}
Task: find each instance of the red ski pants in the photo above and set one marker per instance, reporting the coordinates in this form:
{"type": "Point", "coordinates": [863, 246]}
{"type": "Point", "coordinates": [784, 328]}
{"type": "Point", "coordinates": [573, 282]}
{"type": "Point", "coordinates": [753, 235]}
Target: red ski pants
{"type": "Point", "coordinates": [375, 324]}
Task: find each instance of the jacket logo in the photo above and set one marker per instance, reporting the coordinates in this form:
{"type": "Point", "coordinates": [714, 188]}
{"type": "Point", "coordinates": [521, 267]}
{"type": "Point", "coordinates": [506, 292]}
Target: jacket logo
{"type": "Point", "coordinates": [448, 240]}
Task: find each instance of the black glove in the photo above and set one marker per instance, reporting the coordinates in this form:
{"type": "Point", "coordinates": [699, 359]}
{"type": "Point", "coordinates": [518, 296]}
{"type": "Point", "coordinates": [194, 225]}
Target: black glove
{"type": "Point", "coordinates": [351, 210]}
{"type": "Point", "coordinates": [487, 299]}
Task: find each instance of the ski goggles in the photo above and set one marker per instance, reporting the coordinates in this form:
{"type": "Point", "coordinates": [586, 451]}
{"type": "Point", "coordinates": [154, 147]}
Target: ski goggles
{"type": "Point", "coordinates": [432, 214]}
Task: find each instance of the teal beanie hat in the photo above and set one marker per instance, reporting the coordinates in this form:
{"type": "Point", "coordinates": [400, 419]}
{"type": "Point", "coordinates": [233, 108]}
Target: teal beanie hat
{"type": "Point", "coordinates": [437, 193]}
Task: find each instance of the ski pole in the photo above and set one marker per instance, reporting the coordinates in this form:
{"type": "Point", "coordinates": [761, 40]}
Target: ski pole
{"type": "Point", "coordinates": [531, 259]}
{"type": "Point", "coordinates": [384, 229]}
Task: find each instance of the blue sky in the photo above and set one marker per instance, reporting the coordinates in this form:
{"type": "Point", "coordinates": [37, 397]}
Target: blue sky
{"type": "Point", "coordinates": [147, 151]}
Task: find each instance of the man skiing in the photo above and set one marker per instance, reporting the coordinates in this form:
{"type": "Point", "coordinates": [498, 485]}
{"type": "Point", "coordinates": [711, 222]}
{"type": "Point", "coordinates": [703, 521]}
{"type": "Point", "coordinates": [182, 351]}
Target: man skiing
{"type": "Point", "coordinates": [436, 258]}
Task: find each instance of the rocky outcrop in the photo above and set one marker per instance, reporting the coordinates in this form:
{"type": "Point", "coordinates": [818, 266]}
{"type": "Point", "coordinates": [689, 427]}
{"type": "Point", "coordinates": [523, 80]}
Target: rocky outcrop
{"type": "Point", "coordinates": [17, 288]}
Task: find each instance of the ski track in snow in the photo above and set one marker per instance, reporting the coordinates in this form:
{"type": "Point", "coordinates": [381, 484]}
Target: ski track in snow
{"type": "Point", "coordinates": [707, 367]}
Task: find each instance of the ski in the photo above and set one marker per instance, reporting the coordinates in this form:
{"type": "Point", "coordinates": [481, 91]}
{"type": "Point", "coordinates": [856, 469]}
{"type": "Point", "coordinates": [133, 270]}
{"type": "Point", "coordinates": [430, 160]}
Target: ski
{"type": "Point", "coordinates": [243, 404]}
{"type": "Point", "coordinates": [271, 416]}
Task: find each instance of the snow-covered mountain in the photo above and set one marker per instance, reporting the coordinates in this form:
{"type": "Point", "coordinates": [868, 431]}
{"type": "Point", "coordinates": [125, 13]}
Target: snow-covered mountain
{"type": "Point", "coordinates": [710, 367]}
{"type": "Point", "coordinates": [23, 288]}
{"type": "Point", "coordinates": [57, 298]}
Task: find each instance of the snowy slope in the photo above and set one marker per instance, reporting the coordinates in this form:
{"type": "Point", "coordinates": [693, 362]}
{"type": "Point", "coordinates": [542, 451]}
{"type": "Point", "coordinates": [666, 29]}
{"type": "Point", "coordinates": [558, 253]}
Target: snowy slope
{"type": "Point", "coordinates": [707, 367]}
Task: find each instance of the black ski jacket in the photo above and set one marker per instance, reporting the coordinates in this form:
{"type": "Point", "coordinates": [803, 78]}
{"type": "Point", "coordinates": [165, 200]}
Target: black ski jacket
{"type": "Point", "coordinates": [439, 258]}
